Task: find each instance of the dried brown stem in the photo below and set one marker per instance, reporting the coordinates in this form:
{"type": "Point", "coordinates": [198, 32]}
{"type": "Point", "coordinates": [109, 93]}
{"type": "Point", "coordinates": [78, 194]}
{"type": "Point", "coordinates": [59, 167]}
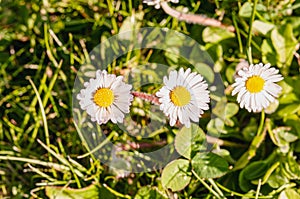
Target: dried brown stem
{"type": "Point", "coordinates": [147, 97]}
{"type": "Point", "coordinates": [194, 18]}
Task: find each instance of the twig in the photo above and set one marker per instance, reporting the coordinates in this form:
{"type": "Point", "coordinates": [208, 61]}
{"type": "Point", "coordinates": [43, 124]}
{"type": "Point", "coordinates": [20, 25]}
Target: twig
{"type": "Point", "coordinates": [150, 98]}
{"type": "Point", "coordinates": [194, 18]}
{"type": "Point", "coordinates": [220, 142]}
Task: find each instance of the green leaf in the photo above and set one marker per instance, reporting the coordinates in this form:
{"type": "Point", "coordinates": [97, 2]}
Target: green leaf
{"type": "Point", "coordinates": [277, 179]}
{"type": "Point", "coordinates": [294, 21]}
{"type": "Point", "coordinates": [131, 23]}
{"type": "Point", "coordinates": [189, 141]}
{"type": "Point", "coordinates": [291, 167]}
{"type": "Point", "coordinates": [288, 98]}
{"type": "Point", "coordinates": [219, 109]}
{"type": "Point", "coordinates": [250, 130]}
{"type": "Point", "coordinates": [268, 52]}
{"type": "Point", "coordinates": [253, 171]}
{"type": "Point", "coordinates": [90, 192]}
{"type": "Point", "coordinates": [209, 165]}
{"type": "Point", "coordinates": [262, 27]}
{"type": "Point", "coordinates": [149, 193]}
{"type": "Point", "coordinates": [230, 110]}
{"type": "Point", "coordinates": [246, 10]}
{"type": "Point", "coordinates": [285, 44]}
{"type": "Point", "coordinates": [174, 39]}
{"type": "Point", "coordinates": [205, 71]}
{"type": "Point", "coordinates": [215, 35]}
{"type": "Point", "coordinates": [230, 71]}
{"type": "Point", "coordinates": [289, 194]}
{"type": "Point", "coordinates": [176, 175]}
{"type": "Point", "coordinates": [288, 110]}
{"type": "Point", "coordinates": [216, 126]}
{"type": "Point", "coordinates": [224, 153]}
{"type": "Point", "coordinates": [293, 120]}
{"type": "Point", "coordinates": [288, 136]}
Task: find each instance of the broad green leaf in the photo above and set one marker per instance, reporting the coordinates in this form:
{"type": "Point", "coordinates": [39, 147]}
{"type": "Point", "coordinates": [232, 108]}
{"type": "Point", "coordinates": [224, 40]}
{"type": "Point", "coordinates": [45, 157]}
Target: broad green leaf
{"type": "Point", "coordinates": [230, 71]}
{"type": "Point", "coordinates": [293, 120]}
{"type": "Point", "coordinates": [174, 39]}
{"type": "Point", "coordinates": [205, 71]}
{"type": "Point", "coordinates": [219, 109]}
{"type": "Point", "coordinates": [250, 130]}
{"type": "Point", "coordinates": [246, 9]}
{"type": "Point", "coordinates": [132, 22]}
{"type": "Point", "coordinates": [253, 171]}
{"type": "Point", "coordinates": [211, 127]}
{"type": "Point", "coordinates": [149, 193]}
{"type": "Point", "coordinates": [287, 85]}
{"type": "Point", "coordinates": [288, 136]}
{"type": "Point", "coordinates": [295, 22]}
{"type": "Point", "coordinates": [216, 126]}
{"type": "Point", "coordinates": [230, 110]}
{"type": "Point", "coordinates": [289, 109]}
{"type": "Point", "coordinates": [215, 35]}
{"type": "Point", "coordinates": [268, 52]}
{"type": "Point", "coordinates": [189, 141]}
{"type": "Point", "coordinates": [90, 192]}
{"type": "Point", "coordinates": [277, 179]}
{"type": "Point", "coordinates": [288, 98]}
{"type": "Point", "coordinates": [285, 44]}
{"type": "Point", "coordinates": [262, 27]}
{"type": "Point", "coordinates": [224, 153]}
{"type": "Point", "coordinates": [209, 165]}
{"type": "Point", "coordinates": [176, 175]}
{"type": "Point", "coordinates": [289, 194]}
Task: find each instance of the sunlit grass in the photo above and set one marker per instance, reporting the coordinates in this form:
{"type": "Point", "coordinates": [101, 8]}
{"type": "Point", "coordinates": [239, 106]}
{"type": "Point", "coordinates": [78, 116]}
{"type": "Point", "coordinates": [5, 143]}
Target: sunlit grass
{"type": "Point", "coordinates": [43, 44]}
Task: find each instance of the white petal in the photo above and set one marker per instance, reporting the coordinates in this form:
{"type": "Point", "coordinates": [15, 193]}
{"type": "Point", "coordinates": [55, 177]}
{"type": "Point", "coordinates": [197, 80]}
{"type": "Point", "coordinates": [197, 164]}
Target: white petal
{"type": "Point", "coordinates": [198, 89]}
{"type": "Point", "coordinates": [121, 103]}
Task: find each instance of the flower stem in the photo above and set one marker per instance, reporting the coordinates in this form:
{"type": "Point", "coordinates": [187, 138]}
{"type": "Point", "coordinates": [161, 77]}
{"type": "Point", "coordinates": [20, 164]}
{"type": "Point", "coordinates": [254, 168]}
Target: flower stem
{"type": "Point", "coordinates": [206, 185]}
{"type": "Point", "coordinates": [212, 182]}
{"type": "Point", "coordinates": [249, 49]}
{"type": "Point", "coordinates": [258, 189]}
{"type": "Point", "coordinates": [256, 142]}
{"type": "Point", "coordinates": [232, 193]}
{"type": "Point", "coordinates": [261, 124]}
{"type": "Point", "coordinates": [147, 97]}
{"type": "Point", "coordinates": [238, 34]}
{"type": "Point", "coordinates": [107, 140]}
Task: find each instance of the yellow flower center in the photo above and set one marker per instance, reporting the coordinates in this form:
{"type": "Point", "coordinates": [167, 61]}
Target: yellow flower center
{"type": "Point", "coordinates": [180, 96]}
{"type": "Point", "coordinates": [104, 97]}
{"type": "Point", "coordinates": [255, 84]}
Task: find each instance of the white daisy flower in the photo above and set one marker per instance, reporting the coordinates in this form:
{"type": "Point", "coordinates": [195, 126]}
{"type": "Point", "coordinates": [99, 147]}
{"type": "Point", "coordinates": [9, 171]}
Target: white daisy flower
{"type": "Point", "coordinates": [184, 96]}
{"type": "Point", "coordinates": [105, 98]}
{"type": "Point", "coordinates": [156, 3]}
{"type": "Point", "coordinates": [256, 87]}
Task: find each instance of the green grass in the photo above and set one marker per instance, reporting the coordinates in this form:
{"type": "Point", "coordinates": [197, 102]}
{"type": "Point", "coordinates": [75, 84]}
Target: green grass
{"type": "Point", "coordinates": [44, 43]}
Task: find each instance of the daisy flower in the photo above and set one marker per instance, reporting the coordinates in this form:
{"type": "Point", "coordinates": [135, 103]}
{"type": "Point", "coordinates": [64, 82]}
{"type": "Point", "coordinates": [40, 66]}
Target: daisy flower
{"type": "Point", "coordinates": [183, 97]}
{"type": "Point", "coordinates": [156, 3]}
{"type": "Point", "coordinates": [105, 98]}
{"type": "Point", "coordinates": [256, 87]}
